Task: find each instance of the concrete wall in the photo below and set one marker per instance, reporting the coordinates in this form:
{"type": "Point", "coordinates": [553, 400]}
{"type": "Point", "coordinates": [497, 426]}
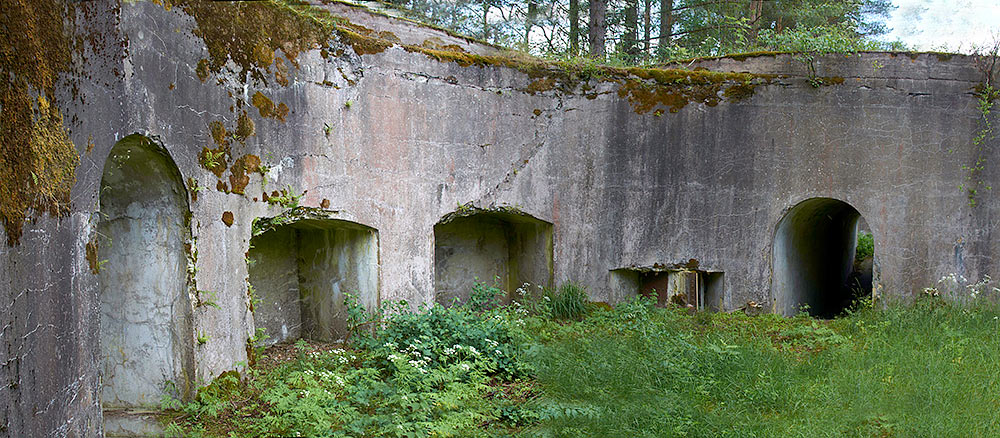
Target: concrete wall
{"type": "Point", "coordinates": [703, 188]}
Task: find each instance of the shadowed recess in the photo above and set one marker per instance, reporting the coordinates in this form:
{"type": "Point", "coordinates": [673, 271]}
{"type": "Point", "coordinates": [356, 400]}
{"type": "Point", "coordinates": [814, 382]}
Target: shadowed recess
{"type": "Point", "coordinates": [508, 249]}
{"type": "Point", "coordinates": [300, 271]}
{"type": "Point", "coordinates": [814, 259]}
{"type": "Point", "coordinates": [146, 339]}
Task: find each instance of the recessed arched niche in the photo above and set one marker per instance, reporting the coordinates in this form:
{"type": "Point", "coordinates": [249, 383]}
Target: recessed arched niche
{"type": "Point", "coordinates": [505, 248]}
{"type": "Point", "coordinates": [146, 340]}
{"type": "Point", "coordinates": [816, 265]}
{"type": "Point", "coordinates": [301, 265]}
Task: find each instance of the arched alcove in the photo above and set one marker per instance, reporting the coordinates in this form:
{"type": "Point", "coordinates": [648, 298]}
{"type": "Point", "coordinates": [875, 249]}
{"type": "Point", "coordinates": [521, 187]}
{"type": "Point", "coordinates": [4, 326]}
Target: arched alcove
{"type": "Point", "coordinates": [146, 338]}
{"type": "Point", "coordinates": [813, 259]}
{"type": "Point", "coordinates": [508, 247]}
{"type": "Point", "coordinates": [300, 267]}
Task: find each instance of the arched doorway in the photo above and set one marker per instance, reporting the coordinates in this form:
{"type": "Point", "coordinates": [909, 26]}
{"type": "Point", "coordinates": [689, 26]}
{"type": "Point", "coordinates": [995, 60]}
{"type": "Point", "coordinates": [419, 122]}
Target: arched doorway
{"type": "Point", "coordinates": [145, 337]}
{"type": "Point", "coordinates": [815, 259]}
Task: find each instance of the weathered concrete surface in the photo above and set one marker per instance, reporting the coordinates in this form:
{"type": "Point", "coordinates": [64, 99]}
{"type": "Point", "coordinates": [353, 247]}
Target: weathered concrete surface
{"type": "Point", "coordinates": [395, 139]}
{"type": "Point", "coordinates": [274, 276]}
{"type": "Point", "coordinates": [49, 328]}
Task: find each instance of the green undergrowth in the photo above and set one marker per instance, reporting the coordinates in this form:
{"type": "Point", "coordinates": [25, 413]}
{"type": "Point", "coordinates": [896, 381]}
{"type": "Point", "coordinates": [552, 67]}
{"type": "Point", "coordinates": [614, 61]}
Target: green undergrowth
{"type": "Point", "coordinates": [528, 368]}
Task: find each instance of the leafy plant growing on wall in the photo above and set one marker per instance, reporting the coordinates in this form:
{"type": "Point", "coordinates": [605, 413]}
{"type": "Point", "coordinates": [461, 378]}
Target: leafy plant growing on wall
{"type": "Point", "coordinates": [986, 94]}
{"type": "Point", "coordinates": [286, 198]}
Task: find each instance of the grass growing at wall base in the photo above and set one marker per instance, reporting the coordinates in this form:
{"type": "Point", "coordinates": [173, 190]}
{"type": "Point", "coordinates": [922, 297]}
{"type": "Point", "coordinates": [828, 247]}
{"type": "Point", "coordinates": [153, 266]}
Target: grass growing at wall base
{"type": "Point", "coordinates": [928, 369]}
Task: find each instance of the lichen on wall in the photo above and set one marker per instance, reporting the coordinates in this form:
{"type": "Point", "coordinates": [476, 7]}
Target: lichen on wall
{"type": "Point", "coordinates": [37, 159]}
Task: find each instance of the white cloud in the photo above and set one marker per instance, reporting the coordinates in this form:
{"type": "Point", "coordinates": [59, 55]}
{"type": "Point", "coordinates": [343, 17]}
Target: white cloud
{"type": "Point", "coordinates": [950, 25]}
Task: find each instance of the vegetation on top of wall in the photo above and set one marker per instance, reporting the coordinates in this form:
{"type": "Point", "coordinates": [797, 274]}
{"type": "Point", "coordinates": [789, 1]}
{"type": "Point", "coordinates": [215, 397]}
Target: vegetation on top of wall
{"type": "Point", "coordinates": [646, 88]}
{"type": "Point", "coordinates": [292, 215]}
{"type": "Point", "coordinates": [37, 159]}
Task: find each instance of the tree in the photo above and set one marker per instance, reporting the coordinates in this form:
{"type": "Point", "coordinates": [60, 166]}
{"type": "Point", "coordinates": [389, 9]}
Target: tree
{"type": "Point", "coordinates": [680, 28]}
{"type": "Point", "coordinates": [646, 20]}
{"type": "Point", "coordinates": [574, 27]}
{"type": "Point", "coordinates": [666, 27]}
{"type": "Point", "coordinates": [630, 37]}
{"type": "Point", "coordinates": [598, 27]}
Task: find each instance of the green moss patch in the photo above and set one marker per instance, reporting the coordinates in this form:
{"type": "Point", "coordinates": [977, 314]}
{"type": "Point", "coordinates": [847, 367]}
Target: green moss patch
{"type": "Point", "coordinates": [37, 159]}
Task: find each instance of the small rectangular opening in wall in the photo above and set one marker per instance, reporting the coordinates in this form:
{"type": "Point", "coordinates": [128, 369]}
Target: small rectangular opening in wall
{"type": "Point", "coordinates": [700, 289]}
{"type": "Point", "coordinates": [655, 285]}
{"type": "Point", "coordinates": [714, 291]}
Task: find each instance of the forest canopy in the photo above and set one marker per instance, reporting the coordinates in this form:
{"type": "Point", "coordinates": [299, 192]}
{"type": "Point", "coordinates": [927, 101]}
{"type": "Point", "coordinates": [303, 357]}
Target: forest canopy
{"type": "Point", "coordinates": [648, 31]}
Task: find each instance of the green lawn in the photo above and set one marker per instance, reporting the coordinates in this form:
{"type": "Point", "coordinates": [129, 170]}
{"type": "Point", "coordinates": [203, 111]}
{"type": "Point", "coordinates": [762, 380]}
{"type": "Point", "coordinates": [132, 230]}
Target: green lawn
{"type": "Point", "coordinates": [920, 370]}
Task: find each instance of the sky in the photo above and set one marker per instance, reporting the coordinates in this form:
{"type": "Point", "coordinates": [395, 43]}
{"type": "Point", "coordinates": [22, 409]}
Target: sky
{"type": "Point", "coordinates": [945, 25]}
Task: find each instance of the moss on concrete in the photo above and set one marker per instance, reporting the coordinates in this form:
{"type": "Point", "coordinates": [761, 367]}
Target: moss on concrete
{"type": "Point", "coordinates": [239, 173]}
{"type": "Point", "coordinates": [466, 210]}
{"type": "Point", "coordinates": [245, 127]}
{"type": "Point", "coordinates": [540, 86]}
{"type": "Point", "coordinates": [250, 34]}
{"type": "Point", "coordinates": [263, 225]}
{"type": "Point", "coordinates": [675, 89]}
{"type": "Point", "coordinates": [267, 108]}
{"type": "Point", "coordinates": [37, 159]}
{"type": "Point", "coordinates": [227, 218]}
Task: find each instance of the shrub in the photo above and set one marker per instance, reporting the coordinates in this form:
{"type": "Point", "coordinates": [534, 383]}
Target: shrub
{"type": "Point", "coordinates": [485, 297]}
{"type": "Point", "coordinates": [438, 336]}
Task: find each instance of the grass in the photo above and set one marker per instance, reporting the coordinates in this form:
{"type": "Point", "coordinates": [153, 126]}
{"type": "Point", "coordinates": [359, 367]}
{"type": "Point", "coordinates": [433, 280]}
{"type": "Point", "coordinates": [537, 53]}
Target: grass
{"type": "Point", "coordinates": [927, 369]}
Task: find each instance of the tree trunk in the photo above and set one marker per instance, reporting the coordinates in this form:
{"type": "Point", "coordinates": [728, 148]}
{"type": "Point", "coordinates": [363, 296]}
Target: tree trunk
{"type": "Point", "coordinates": [666, 27]}
{"type": "Point", "coordinates": [529, 22]}
{"type": "Point", "coordinates": [574, 27]}
{"type": "Point", "coordinates": [486, 20]}
{"type": "Point", "coordinates": [756, 12]}
{"type": "Point", "coordinates": [631, 37]}
{"type": "Point", "coordinates": [645, 28]}
{"type": "Point", "coordinates": [598, 27]}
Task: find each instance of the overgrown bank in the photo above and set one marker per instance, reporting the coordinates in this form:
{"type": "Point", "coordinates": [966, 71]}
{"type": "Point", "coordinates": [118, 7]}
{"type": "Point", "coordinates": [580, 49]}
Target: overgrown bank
{"type": "Point", "coordinates": [542, 368]}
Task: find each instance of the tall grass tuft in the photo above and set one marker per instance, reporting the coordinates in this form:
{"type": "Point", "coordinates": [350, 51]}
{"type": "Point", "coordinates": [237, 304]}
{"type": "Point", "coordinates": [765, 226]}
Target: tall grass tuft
{"type": "Point", "coordinates": [569, 302]}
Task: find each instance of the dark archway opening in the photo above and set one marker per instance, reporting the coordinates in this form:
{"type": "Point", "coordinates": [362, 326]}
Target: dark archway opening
{"type": "Point", "coordinates": [300, 270]}
{"type": "Point", "coordinates": [814, 259]}
{"type": "Point", "coordinates": [146, 340]}
{"type": "Point", "coordinates": [500, 247]}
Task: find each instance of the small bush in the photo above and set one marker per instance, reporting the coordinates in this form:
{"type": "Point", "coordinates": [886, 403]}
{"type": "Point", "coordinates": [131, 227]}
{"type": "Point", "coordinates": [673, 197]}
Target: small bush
{"type": "Point", "coordinates": [485, 297]}
{"type": "Point", "coordinates": [439, 336]}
